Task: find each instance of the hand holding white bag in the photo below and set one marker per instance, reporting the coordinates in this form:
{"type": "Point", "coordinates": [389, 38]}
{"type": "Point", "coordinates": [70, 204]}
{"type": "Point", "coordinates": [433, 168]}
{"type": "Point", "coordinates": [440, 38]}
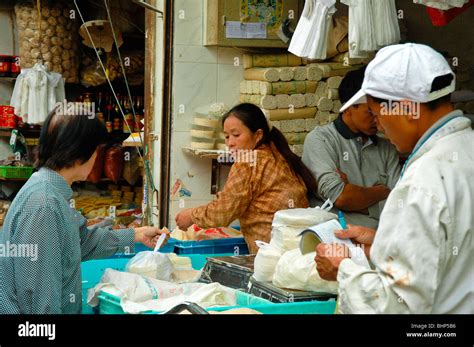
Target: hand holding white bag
{"type": "Point", "coordinates": [297, 271]}
{"type": "Point", "coordinates": [265, 261]}
{"type": "Point", "coordinates": [152, 263]}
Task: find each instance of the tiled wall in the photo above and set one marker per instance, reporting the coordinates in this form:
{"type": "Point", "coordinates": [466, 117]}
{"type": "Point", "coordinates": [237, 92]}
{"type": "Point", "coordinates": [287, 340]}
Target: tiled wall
{"type": "Point", "coordinates": [202, 75]}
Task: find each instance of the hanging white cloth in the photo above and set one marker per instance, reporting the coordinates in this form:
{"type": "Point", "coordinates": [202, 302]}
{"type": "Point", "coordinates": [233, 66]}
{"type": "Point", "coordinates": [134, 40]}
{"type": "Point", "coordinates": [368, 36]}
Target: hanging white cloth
{"type": "Point", "coordinates": [36, 93]}
{"type": "Point", "coordinates": [311, 34]}
{"type": "Point", "coordinates": [361, 28]}
{"type": "Point", "coordinates": [387, 30]}
{"type": "Point", "coordinates": [442, 4]}
{"type": "Point", "coordinates": [373, 24]}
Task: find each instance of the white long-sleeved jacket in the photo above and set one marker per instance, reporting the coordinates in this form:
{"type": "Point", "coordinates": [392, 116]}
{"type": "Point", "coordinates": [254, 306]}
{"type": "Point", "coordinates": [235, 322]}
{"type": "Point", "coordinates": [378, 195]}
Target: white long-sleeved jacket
{"type": "Point", "coordinates": [423, 252]}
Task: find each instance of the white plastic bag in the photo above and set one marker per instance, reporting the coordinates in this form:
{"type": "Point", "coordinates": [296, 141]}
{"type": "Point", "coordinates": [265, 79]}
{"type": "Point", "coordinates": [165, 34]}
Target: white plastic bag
{"type": "Point", "coordinates": [288, 224]}
{"type": "Point", "coordinates": [265, 261]}
{"type": "Point", "coordinates": [297, 271]}
{"type": "Point", "coordinates": [151, 264]}
{"type": "Point", "coordinates": [139, 294]}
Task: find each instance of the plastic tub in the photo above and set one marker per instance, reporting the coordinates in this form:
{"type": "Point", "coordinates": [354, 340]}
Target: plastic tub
{"type": "Point", "coordinates": [110, 304]}
{"type": "Point", "coordinates": [311, 307]}
{"type": "Point", "coordinates": [93, 270]}
{"type": "Point", "coordinates": [234, 245]}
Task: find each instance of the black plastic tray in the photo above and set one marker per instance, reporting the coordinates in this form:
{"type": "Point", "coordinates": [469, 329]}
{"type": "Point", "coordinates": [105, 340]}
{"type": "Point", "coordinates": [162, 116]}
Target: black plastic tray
{"type": "Point", "coordinates": [270, 292]}
{"type": "Point", "coordinates": [233, 272]}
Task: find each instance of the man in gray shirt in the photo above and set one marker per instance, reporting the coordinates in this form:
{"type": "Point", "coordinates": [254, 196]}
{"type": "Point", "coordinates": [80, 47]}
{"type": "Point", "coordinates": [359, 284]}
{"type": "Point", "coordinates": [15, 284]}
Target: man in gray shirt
{"type": "Point", "coordinates": [354, 168]}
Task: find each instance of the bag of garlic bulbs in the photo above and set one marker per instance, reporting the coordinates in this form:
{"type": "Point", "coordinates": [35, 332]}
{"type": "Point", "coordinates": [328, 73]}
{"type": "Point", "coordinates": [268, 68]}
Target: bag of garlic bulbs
{"type": "Point", "coordinates": [50, 36]}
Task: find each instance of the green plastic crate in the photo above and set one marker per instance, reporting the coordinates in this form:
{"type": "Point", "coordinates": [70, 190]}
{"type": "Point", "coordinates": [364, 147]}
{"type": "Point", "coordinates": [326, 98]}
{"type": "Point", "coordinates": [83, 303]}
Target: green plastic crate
{"type": "Point", "coordinates": [93, 270]}
{"type": "Point", "coordinates": [16, 171]}
{"type": "Point", "coordinates": [302, 307]}
{"type": "Point", "coordinates": [110, 304]}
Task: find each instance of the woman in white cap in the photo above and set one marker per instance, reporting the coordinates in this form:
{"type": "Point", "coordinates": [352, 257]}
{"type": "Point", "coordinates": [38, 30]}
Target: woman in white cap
{"type": "Point", "coordinates": [422, 250]}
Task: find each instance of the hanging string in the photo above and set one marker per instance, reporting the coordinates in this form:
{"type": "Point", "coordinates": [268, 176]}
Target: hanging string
{"type": "Point", "coordinates": [38, 7]}
{"type": "Point", "coordinates": [123, 69]}
{"type": "Point", "coordinates": [148, 176]}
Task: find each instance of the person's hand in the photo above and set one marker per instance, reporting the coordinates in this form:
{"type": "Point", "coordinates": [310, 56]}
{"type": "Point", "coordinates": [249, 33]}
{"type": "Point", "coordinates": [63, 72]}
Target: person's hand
{"type": "Point", "coordinates": [328, 258]}
{"type": "Point", "coordinates": [183, 219]}
{"type": "Point", "coordinates": [343, 176]}
{"type": "Point", "coordinates": [359, 236]}
{"type": "Point", "coordinates": [149, 235]}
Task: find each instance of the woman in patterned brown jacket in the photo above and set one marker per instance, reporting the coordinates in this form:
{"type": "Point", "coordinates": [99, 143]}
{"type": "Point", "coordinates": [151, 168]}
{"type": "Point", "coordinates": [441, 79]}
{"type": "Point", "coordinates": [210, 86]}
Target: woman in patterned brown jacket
{"type": "Point", "coordinates": [266, 177]}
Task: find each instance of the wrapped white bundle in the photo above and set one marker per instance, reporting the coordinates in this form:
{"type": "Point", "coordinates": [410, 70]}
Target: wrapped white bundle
{"type": "Point", "coordinates": [297, 271]}
{"type": "Point", "coordinates": [288, 224]}
{"type": "Point", "coordinates": [265, 261]}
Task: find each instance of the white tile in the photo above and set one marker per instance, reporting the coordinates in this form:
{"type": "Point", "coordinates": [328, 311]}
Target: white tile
{"type": "Point", "coordinates": [194, 85]}
{"type": "Point", "coordinates": [228, 83]}
{"type": "Point", "coordinates": [230, 56]}
{"type": "Point", "coordinates": [188, 22]}
{"type": "Point", "coordinates": [194, 172]}
{"type": "Point", "coordinates": [195, 54]}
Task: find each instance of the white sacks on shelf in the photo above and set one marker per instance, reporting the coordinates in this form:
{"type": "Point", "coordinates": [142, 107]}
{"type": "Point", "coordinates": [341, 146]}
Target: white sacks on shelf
{"type": "Point", "coordinates": [265, 261]}
{"type": "Point", "coordinates": [297, 271]}
{"type": "Point", "coordinates": [288, 224]}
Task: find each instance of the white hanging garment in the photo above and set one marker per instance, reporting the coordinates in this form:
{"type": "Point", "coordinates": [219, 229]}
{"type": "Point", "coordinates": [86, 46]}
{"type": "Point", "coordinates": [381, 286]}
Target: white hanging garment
{"type": "Point", "coordinates": [386, 28]}
{"type": "Point", "coordinates": [361, 28]}
{"type": "Point", "coordinates": [442, 4]}
{"type": "Point", "coordinates": [318, 46]}
{"type": "Point", "coordinates": [36, 92]}
{"type": "Point", "coordinates": [302, 31]}
{"type": "Point", "coordinates": [311, 34]}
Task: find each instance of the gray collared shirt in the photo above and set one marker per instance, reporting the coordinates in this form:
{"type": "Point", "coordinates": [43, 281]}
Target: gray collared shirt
{"type": "Point", "coordinates": [46, 277]}
{"type": "Point", "coordinates": [365, 164]}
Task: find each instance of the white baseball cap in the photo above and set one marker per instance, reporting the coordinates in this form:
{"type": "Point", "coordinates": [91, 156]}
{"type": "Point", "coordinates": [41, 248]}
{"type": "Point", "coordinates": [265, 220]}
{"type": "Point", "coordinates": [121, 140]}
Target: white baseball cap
{"type": "Point", "coordinates": [404, 72]}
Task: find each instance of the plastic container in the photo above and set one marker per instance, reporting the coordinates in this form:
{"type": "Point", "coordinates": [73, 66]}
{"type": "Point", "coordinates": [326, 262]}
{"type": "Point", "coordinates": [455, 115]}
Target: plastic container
{"type": "Point", "coordinates": [5, 65]}
{"type": "Point", "coordinates": [268, 291]}
{"type": "Point", "coordinates": [16, 171]}
{"type": "Point", "coordinates": [234, 245]}
{"type": "Point", "coordinates": [233, 272]}
{"type": "Point", "coordinates": [93, 270]}
{"type": "Point", "coordinates": [110, 304]}
{"type": "Point", "coordinates": [310, 307]}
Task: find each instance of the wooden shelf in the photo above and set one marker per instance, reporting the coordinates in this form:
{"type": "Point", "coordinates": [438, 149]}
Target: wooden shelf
{"type": "Point", "coordinates": [204, 153]}
{"type": "Point", "coordinates": [133, 141]}
{"type": "Point", "coordinates": [13, 179]}
{"type": "Point", "coordinates": [8, 79]}
{"type": "Point", "coordinates": [27, 133]}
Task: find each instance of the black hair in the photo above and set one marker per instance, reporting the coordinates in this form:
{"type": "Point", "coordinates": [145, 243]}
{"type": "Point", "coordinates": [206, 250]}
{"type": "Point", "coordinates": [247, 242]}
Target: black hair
{"type": "Point", "coordinates": [438, 83]}
{"type": "Point", "coordinates": [351, 84]}
{"type": "Point", "coordinates": [67, 139]}
{"type": "Point", "coordinates": [253, 118]}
